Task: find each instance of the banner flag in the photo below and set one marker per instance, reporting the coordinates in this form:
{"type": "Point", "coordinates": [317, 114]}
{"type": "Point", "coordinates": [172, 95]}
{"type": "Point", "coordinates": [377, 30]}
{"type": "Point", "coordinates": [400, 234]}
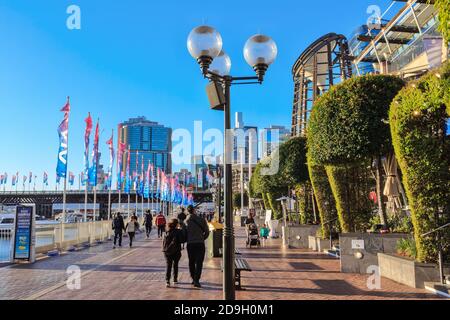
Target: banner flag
{"type": "Point", "coordinates": [93, 170]}
{"type": "Point", "coordinates": [87, 135]}
{"type": "Point", "coordinates": [127, 174]}
{"type": "Point", "coordinates": [120, 173]}
{"type": "Point", "coordinates": [110, 142]}
{"type": "Point", "coordinates": [45, 180]}
{"type": "Point", "coordinates": [63, 132]}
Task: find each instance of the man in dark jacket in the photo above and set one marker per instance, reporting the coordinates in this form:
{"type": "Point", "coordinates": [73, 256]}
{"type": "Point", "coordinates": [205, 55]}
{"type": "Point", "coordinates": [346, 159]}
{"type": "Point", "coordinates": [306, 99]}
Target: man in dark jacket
{"type": "Point", "coordinates": [148, 222]}
{"type": "Point", "coordinates": [118, 226]}
{"type": "Point", "coordinates": [197, 231]}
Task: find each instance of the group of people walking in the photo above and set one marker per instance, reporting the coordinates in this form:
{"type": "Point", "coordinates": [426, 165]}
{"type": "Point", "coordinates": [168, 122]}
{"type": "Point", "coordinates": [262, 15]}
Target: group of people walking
{"type": "Point", "coordinates": [189, 229]}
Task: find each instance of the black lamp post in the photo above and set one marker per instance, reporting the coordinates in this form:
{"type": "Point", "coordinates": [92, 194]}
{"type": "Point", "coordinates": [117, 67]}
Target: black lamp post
{"type": "Point", "coordinates": [205, 45]}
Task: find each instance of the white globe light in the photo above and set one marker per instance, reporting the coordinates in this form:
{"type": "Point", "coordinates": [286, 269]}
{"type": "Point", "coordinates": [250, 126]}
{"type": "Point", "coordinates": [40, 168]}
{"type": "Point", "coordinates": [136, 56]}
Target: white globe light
{"type": "Point", "coordinates": [221, 64]}
{"type": "Point", "coordinates": [260, 50]}
{"type": "Point", "coordinates": [204, 41]}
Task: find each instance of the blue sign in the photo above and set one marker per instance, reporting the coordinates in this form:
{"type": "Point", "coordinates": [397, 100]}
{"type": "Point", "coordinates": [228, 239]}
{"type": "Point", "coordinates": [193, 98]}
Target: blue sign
{"type": "Point", "coordinates": [22, 239]}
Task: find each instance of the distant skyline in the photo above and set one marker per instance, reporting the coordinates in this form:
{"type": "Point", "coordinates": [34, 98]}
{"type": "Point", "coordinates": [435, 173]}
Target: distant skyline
{"type": "Point", "coordinates": [130, 59]}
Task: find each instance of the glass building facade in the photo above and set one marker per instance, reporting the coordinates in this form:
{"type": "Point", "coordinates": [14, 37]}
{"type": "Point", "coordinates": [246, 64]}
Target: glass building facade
{"type": "Point", "coordinates": [148, 142]}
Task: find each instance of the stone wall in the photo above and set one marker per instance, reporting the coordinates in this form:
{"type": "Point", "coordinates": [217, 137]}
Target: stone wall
{"type": "Point", "coordinates": [298, 236]}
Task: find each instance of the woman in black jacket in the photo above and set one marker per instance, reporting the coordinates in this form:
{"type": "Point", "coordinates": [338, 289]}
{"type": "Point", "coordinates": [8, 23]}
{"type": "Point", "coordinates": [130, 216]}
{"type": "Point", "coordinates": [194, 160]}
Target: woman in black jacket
{"type": "Point", "coordinates": [173, 239]}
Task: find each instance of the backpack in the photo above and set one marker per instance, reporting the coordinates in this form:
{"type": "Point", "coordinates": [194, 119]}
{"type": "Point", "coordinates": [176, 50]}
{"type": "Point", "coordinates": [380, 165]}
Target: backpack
{"type": "Point", "coordinates": [170, 244]}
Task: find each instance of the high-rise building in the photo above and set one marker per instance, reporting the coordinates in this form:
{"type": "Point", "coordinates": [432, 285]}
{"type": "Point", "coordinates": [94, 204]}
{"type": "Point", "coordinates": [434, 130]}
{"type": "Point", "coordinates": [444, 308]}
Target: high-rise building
{"type": "Point", "coordinates": [272, 138]}
{"type": "Point", "coordinates": [245, 141]}
{"type": "Point", "coordinates": [150, 141]}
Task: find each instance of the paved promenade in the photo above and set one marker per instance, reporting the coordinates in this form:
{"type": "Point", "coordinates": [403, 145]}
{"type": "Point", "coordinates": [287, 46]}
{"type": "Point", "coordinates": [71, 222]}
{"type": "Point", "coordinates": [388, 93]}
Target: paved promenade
{"type": "Point", "coordinates": [138, 274]}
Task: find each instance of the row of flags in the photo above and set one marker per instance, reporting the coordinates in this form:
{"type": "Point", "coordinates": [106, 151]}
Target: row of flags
{"type": "Point", "coordinates": [15, 179]}
{"type": "Point", "coordinates": [164, 187]}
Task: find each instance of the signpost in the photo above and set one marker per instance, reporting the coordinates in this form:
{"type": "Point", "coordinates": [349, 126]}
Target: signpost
{"type": "Point", "coordinates": [24, 234]}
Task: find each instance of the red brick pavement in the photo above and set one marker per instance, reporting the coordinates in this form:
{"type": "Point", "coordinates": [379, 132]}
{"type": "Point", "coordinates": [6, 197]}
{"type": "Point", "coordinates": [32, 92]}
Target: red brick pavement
{"type": "Point", "coordinates": [138, 274]}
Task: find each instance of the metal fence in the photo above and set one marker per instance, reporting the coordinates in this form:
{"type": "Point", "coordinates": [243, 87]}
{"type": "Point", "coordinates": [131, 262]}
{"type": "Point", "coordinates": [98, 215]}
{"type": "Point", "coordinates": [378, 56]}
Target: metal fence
{"type": "Point", "coordinates": [5, 244]}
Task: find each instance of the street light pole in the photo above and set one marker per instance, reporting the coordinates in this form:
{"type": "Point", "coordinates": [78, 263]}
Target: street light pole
{"type": "Point", "coordinates": [228, 232]}
{"type": "Point", "coordinates": [205, 45]}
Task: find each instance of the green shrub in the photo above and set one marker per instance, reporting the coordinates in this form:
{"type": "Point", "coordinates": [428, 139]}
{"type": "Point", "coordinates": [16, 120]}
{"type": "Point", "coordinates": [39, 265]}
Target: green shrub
{"type": "Point", "coordinates": [443, 7]}
{"type": "Point", "coordinates": [323, 195]}
{"type": "Point", "coordinates": [407, 248]}
{"type": "Point", "coordinates": [418, 117]}
{"type": "Point", "coordinates": [346, 131]}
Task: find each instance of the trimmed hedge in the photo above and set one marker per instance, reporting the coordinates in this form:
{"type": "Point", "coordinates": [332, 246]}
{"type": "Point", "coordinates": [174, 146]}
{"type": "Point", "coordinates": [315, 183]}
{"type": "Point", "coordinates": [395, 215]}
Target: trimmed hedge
{"type": "Point", "coordinates": [443, 7]}
{"type": "Point", "coordinates": [346, 123]}
{"type": "Point", "coordinates": [323, 195]}
{"type": "Point", "coordinates": [418, 121]}
{"type": "Point", "coordinates": [347, 129]}
{"type": "Point", "coordinates": [350, 185]}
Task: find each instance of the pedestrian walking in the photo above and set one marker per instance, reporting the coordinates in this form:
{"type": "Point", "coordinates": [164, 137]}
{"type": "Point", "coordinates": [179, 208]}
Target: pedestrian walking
{"type": "Point", "coordinates": [197, 232]}
{"type": "Point", "coordinates": [264, 233]}
{"type": "Point", "coordinates": [160, 224]}
{"type": "Point", "coordinates": [148, 222]}
{"type": "Point", "coordinates": [118, 226]}
{"type": "Point", "coordinates": [174, 236]}
{"type": "Point", "coordinates": [131, 228]}
{"type": "Point", "coordinates": [181, 218]}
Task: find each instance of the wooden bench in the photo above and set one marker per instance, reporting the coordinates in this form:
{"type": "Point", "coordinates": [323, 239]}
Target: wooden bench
{"type": "Point", "coordinates": [239, 266]}
{"type": "Point", "coordinates": [236, 252]}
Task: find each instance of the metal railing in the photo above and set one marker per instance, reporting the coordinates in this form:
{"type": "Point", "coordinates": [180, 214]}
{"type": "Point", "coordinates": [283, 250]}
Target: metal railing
{"type": "Point", "coordinates": [57, 236]}
{"type": "Point", "coordinates": [437, 232]}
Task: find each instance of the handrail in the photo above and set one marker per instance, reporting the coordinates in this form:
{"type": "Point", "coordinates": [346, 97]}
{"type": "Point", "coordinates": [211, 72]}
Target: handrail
{"type": "Point", "coordinates": [330, 221]}
{"type": "Point", "coordinates": [436, 230]}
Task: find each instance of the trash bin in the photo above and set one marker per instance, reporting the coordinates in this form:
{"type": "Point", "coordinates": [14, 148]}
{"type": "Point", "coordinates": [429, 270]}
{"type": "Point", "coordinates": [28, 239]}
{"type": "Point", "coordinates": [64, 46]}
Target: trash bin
{"type": "Point", "coordinates": [215, 241]}
{"type": "Point", "coordinates": [243, 221]}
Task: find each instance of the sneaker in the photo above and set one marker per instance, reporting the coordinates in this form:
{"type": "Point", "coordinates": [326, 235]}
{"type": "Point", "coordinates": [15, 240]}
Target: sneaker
{"type": "Point", "coordinates": [197, 285]}
{"type": "Point", "coordinates": [175, 280]}
{"type": "Point", "coordinates": [114, 247]}
{"type": "Point", "coordinates": [167, 284]}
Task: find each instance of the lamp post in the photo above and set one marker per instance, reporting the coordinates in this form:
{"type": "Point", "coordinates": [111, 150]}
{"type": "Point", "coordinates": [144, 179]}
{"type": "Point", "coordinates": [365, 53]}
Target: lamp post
{"type": "Point", "coordinates": [205, 45]}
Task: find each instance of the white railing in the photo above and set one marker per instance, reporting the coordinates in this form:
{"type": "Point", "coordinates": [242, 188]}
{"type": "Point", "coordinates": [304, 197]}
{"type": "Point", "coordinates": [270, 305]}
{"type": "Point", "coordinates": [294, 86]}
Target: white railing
{"type": "Point", "coordinates": [5, 244]}
{"type": "Point", "coordinates": [56, 236]}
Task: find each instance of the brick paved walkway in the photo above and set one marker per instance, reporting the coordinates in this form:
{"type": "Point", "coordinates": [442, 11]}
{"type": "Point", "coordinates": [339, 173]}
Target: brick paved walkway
{"type": "Point", "coordinates": [139, 274]}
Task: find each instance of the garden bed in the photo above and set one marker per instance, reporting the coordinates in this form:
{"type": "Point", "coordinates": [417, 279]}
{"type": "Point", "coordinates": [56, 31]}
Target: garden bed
{"type": "Point", "coordinates": [407, 271]}
{"type": "Point", "coordinates": [358, 260]}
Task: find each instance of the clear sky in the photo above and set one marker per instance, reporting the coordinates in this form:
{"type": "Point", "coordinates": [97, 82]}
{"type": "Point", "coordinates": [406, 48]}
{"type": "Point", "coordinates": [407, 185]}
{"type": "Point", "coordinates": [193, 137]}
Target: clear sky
{"type": "Point", "coordinates": [130, 59]}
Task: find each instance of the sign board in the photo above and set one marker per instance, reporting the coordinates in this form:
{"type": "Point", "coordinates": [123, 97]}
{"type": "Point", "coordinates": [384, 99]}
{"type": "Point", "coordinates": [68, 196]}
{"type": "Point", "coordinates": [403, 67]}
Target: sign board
{"type": "Point", "coordinates": [24, 235]}
{"type": "Point", "coordinates": [358, 245]}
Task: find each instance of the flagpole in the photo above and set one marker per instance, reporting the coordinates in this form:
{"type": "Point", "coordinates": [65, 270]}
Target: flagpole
{"type": "Point", "coordinates": [109, 203]}
{"type": "Point", "coordinates": [85, 199]}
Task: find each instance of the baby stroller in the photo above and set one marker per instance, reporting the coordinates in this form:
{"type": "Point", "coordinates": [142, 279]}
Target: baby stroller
{"type": "Point", "coordinates": [253, 236]}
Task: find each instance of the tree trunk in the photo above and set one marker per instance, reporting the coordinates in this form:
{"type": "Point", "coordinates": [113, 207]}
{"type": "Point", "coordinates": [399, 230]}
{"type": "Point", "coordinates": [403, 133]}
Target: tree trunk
{"type": "Point", "coordinates": [379, 181]}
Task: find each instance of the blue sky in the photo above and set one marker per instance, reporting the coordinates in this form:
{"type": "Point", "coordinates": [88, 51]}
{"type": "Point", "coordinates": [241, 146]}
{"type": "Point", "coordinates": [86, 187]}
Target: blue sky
{"type": "Point", "coordinates": [130, 59]}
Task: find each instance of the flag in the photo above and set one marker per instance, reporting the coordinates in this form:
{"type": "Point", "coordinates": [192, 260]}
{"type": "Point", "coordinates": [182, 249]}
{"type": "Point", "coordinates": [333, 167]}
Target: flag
{"type": "Point", "coordinates": [120, 173]}
{"type": "Point", "coordinates": [127, 175]}
{"type": "Point", "coordinates": [147, 181]}
{"type": "Point", "coordinates": [110, 143]}
{"type": "Point", "coordinates": [87, 135]}
{"type": "Point", "coordinates": [93, 170]}
{"type": "Point", "coordinates": [45, 178]}
{"type": "Point", "coordinates": [71, 178]}
{"type": "Point", "coordinates": [63, 132]}
{"type": "Point", "coordinates": [24, 180]}
{"type": "Point", "coordinates": [14, 180]}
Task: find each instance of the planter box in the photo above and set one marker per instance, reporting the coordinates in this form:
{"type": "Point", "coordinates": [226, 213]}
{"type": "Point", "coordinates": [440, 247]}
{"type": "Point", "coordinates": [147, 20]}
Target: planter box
{"type": "Point", "coordinates": [318, 244]}
{"type": "Point", "coordinates": [407, 271]}
{"type": "Point", "coordinates": [312, 243]}
{"type": "Point", "coordinates": [298, 236]}
{"type": "Point", "coordinates": [372, 245]}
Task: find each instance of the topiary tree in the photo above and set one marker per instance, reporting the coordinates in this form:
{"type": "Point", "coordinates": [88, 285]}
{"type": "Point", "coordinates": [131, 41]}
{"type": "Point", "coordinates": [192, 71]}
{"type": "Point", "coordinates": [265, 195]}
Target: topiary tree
{"type": "Point", "coordinates": [418, 123]}
{"type": "Point", "coordinates": [323, 195]}
{"type": "Point", "coordinates": [348, 131]}
{"type": "Point", "coordinates": [443, 7]}
{"type": "Point", "coordinates": [237, 200]}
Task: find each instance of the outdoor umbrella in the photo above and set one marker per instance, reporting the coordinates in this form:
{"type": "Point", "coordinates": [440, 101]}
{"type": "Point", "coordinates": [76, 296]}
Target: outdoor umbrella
{"type": "Point", "coordinates": [392, 187]}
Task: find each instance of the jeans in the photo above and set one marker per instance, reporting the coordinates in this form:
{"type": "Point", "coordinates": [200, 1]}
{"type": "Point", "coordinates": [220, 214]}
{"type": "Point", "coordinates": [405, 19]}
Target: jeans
{"type": "Point", "coordinates": [118, 235]}
{"type": "Point", "coordinates": [131, 236]}
{"type": "Point", "coordinates": [196, 254]}
{"type": "Point", "coordinates": [172, 261]}
{"type": "Point", "coordinates": [161, 230]}
{"type": "Point", "coordinates": [148, 230]}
